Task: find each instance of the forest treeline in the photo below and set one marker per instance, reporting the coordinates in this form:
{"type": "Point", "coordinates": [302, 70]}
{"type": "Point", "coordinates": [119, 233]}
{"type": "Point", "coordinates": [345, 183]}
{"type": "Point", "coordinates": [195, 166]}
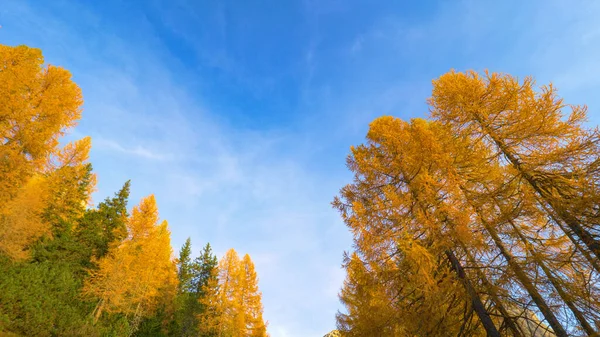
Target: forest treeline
{"type": "Point", "coordinates": [69, 268]}
{"type": "Point", "coordinates": [482, 220]}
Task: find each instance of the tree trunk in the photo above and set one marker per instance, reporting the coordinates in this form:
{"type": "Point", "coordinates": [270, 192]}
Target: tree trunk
{"type": "Point", "coordinates": [589, 241]}
{"type": "Point", "coordinates": [476, 303]}
{"type": "Point", "coordinates": [555, 283]}
{"type": "Point", "coordinates": [508, 318]}
{"type": "Point", "coordinates": [98, 310]}
{"type": "Point", "coordinates": [524, 280]}
{"type": "Point", "coordinates": [593, 261]}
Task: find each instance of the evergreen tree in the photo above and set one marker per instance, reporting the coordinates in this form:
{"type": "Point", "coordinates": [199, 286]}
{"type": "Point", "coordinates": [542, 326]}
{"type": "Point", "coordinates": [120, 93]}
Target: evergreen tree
{"type": "Point", "coordinates": [187, 301]}
{"type": "Point", "coordinates": [105, 226]}
{"type": "Point", "coordinates": [70, 270]}
{"type": "Point", "coordinates": [204, 267]}
{"type": "Point", "coordinates": [136, 277]}
{"type": "Point", "coordinates": [185, 267]}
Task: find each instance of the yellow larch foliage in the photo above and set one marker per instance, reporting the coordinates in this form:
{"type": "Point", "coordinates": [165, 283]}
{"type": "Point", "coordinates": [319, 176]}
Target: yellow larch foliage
{"type": "Point", "coordinates": [404, 234]}
{"type": "Point", "coordinates": [476, 219]}
{"type": "Point", "coordinates": [70, 180]}
{"type": "Point", "coordinates": [134, 276]}
{"type": "Point", "coordinates": [229, 295]}
{"type": "Point", "coordinates": [234, 308]}
{"type": "Point", "coordinates": [251, 300]}
{"type": "Point", "coordinates": [20, 218]}
{"type": "Point", "coordinates": [210, 320]}
{"type": "Point", "coordinates": [60, 193]}
{"type": "Point", "coordinates": [37, 105]}
{"type": "Point", "coordinates": [543, 141]}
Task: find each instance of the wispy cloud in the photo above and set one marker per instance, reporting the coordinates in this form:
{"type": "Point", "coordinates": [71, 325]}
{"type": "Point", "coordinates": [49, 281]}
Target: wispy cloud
{"type": "Point", "coordinates": [138, 150]}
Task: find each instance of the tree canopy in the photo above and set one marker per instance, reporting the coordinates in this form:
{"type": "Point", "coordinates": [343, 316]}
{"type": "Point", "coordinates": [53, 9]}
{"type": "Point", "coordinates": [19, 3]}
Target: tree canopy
{"type": "Point", "coordinates": [481, 220]}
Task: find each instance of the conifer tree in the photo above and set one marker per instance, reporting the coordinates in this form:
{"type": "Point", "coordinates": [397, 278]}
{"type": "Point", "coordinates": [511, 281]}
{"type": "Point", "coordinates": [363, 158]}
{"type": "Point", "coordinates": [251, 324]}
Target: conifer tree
{"type": "Point", "coordinates": [105, 226]}
{"type": "Point", "coordinates": [185, 267]}
{"type": "Point", "coordinates": [135, 275]}
{"type": "Point", "coordinates": [204, 269]}
{"type": "Point", "coordinates": [187, 301]}
{"type": "Point", "coordinates": [37, 105]}
{"type": "Point", "coordinates": [251, 299]}
{"type": "Point", "coordinates": [550, 150]}
{"type": "Point", "coordinates": [440, 204]}
{"type": "Point", "coordinates": [233, 307]}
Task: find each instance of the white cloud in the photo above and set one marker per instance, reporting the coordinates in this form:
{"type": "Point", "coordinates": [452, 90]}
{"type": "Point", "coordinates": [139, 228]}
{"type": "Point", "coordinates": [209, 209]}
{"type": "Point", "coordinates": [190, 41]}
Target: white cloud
{"type": "Point", "coordinates": [138, 150]}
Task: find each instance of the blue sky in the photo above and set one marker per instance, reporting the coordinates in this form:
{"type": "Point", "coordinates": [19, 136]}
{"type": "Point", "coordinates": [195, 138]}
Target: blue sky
{"type": "Point", "coordinates": [238, 115]}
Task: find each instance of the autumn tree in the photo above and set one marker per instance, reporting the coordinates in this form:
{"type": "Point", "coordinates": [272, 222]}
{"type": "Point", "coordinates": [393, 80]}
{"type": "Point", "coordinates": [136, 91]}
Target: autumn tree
{"type": "Point", "coordinates": [251, 300]}
{"type": "Point", "coordinates": [490, 205]}
{"type": "Point", "coordinates": [554, 154]}
{"type": "Point", "coordinates": [38, 104]}
{"type": "Point", "coordinates": [547, 185]}
{"type": "Point", "coordinates": [134, 275]}
{"type": "Point", "coordinates": [404, 234]}
{"type": "Point", "coordinates": [54, 245]}
{"type": "Point", "coordinates": [234, 307]}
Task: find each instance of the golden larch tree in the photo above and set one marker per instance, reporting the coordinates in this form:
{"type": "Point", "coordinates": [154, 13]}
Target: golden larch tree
{"type": "Point", "coordinates": [39, 182]}
{"type": "Point", "coordinates": [38, 104]}
{"type": "Point", "coordinates": [234, 306]}
{"type": "Point", "coordinates": [134, 276]}
{"type": "Point", "coordinates": [251, 299]}
{"type": "Point", "coordinates": [489, 208]}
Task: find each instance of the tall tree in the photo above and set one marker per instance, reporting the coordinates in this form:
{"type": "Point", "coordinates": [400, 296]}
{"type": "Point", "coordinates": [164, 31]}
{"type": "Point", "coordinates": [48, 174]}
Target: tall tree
{"type": "Point", "coordinates": [547, 178]}
{"type": "Point", "coordinates": [251, 299]}
{"type": "Point", "coordinates": [105, 226]}
{"type": "Point", "coordinates": [439, 216]}
{"type": "Point", "coordinates": [37, 105]}
{"type": "Point", "coordinates": [205, 267]}
{"type": "Point", "coordinates": [133, 276]}
{"type": "Point", "coordinates": [229, 295]}
{"type": "Point", "coordinates": [550, 150]}
{"type": "Point", "coordinates": [185, 267]}
{"type": "Point", "coordinates": [187, 301]}
{"type": "Point", "coordinates": [234, 308]}
{"type": "Point", "coordinates": [405, 232]}
{"type": "Point", "coordinates": [206, 282]}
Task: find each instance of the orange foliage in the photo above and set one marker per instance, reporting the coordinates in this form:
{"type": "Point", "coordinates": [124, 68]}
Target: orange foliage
{"type": "Point", "coordinates": [135, 275]}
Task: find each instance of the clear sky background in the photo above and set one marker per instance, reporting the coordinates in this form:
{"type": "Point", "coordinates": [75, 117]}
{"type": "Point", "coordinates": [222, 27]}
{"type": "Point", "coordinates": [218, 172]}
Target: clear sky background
{"type": "Point", "coordinates": [238, 115]}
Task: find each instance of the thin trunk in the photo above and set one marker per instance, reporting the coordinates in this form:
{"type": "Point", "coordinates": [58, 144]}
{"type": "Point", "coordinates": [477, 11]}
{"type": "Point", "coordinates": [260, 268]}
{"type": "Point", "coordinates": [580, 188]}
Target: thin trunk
{"type": "Point", "coordinates": [135, 322]}
{"type": "Point", "coordinates": [593, 261]}
{"type": "Point", "coordinates": [524, 280]}
{"type": "Point", "coordinates": [476, 303]}
{"type": "Point", "coordinates": [572, 222]}
{"type": "Point", "coordinates": [98, 310]}
{"type": "Point", "coordinates": [508, 318]}
{"type": "Point", "coordinates": [555, 283]}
